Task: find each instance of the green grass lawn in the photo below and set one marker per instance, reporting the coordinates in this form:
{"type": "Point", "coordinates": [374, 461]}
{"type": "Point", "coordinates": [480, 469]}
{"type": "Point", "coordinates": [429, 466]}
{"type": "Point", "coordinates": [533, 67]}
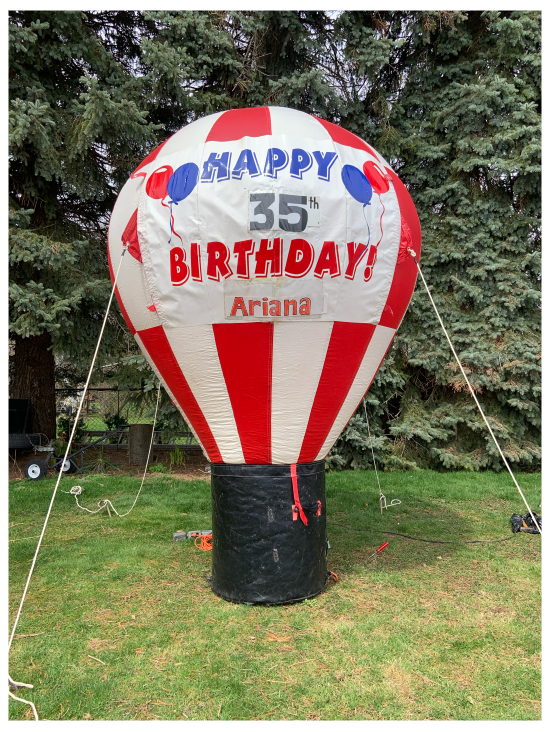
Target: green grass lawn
{"type": "Point", "coordinates": [119, 622]}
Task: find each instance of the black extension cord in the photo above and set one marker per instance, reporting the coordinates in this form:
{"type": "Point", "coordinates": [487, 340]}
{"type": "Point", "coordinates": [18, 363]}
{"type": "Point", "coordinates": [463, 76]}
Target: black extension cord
{"type": "Point", "coordinates": [429, 541]}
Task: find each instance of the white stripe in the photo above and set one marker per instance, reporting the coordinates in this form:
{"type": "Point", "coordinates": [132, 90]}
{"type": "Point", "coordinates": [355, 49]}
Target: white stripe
{"type": "Point", "coordinates": [292, 122]}
{"type": "Point", "coordinates": [372, 359]}
{"type": "Point", "coordinates": [195, 350]}
{"type": "Point", "coordinates": [172, 397]}
{"type": "Point", "coordinates": [131, 282]}
{"type": "Point", "coordinates": [135, 294]}
{"type": "Point", "coordinates": [299, 351]}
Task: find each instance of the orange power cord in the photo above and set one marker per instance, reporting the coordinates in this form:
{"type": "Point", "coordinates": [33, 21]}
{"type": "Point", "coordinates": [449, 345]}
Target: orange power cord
{"type": "Point", "coordinates": [205, 542]}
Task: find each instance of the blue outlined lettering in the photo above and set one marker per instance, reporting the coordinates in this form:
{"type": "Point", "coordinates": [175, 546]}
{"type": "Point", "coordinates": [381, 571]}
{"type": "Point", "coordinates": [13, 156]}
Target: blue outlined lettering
{"type": "Point", "coordinates": [301, 161]}
{"type": "Point", "coordinates": [218, 164]}
{"type": "Point", "coordinates": [246, 163]}
{"type": "Point", "coordinates": [324, 163]}
{"type": "Point", "coordinates": [276, 160]}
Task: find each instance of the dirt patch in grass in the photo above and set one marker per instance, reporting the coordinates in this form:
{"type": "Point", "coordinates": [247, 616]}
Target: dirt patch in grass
{"type": "Point", "coordinates": [100, 644]}
{"type": "Point", "coordinates": [400, 682]}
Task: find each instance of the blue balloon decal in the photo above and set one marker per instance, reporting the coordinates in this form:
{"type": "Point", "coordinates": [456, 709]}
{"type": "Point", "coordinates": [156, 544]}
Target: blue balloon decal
{"type": "Point", "coordinates": [182, 182]}
{"type": "Point", "coordinates": [357, 184]}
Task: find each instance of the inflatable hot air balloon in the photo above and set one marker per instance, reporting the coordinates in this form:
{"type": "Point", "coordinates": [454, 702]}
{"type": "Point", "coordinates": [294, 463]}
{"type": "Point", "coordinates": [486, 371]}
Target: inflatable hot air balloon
{"type": "Point", "coordinates": [266, 275]}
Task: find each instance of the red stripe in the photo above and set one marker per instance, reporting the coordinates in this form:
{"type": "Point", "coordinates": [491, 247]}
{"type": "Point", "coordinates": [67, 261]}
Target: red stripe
{"type": "Point", "coordinates": [119, 297]}
{"type": "Point", "coordinates": [404, 276]}
{"type": "Point", "coordinates": [346, 349]}
{"type": "Point", "coordinates": [158, 347]}
{"type": "Point", "coordinates": [369, 386]}
{"type": "Point", "coordinates": [238, 123]}
{"type": "Point", "coordinates": [245, 351]}
{"type": "Point", "coordinates": [343, 137]}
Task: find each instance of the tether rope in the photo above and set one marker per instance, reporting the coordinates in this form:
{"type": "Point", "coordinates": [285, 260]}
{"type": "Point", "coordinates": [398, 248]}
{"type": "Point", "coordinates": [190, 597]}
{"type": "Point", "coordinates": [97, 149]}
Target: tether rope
{"type": "Point", "coordinates": [383, 501]}
{"type": "Point", "coordinates": [76, 490]}
{"type": "Point", "coordinates": [16, 684]}
{"type": "Point", "coordinates": [413, 255]}
{"type": "Point", "coordinates": [372, 448]}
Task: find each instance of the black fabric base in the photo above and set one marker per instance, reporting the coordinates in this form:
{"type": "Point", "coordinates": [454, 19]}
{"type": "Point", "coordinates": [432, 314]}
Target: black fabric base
{"type": "Point", "coordinates": [259, 553]}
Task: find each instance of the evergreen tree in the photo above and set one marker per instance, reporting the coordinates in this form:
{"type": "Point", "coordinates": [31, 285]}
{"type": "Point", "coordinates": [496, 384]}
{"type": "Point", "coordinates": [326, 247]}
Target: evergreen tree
{"type": "Point", "coordinates": [91, 94]}
{"type": "Point", "coordinates": [76, 130]}
{"type": "Point", "coordinates": [451, 99]}
{"type": "Point", "coordinates": [462, 128]}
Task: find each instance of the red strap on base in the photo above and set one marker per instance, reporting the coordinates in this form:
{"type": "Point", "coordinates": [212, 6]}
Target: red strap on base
{"type": "Point", "coordinates": [295, 492]}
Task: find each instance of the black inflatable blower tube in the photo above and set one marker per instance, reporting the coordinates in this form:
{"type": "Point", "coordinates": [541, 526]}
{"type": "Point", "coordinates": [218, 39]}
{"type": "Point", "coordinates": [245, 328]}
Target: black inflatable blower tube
{"type": "Point", "coordinates": [262, 550]}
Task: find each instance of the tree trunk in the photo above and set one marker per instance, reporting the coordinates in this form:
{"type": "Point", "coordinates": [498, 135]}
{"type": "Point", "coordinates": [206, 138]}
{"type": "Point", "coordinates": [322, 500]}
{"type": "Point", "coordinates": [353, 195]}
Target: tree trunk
{"type": "Point", "coordinates": [33, 377]}
{"type": "Point", "coordinates": [139, 441]}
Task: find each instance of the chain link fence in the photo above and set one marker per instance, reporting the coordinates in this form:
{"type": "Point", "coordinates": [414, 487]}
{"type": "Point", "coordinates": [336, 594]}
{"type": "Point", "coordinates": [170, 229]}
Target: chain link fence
{"type": "Point", "coordinates": [102, 409]}
{"type": "Point", "coordinates": [106, 409]}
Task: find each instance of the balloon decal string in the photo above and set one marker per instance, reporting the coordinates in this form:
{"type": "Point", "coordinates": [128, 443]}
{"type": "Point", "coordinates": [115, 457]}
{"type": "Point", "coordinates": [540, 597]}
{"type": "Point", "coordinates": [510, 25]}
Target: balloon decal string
{"type": "Point", "coordinates": [172, 224]}
{"type": "Point", "coordinates": [367, 223]}
{"type": "Point", "coordinates": [413, 255]}
{"type": "Point", "coordinates": [365, 215]}
{"type": "Point", "coordinates": [381, 216]}
{"type": "Point", "coordinates": [16, 684]}
{"type": "Point", "coordinates": [76, 490]}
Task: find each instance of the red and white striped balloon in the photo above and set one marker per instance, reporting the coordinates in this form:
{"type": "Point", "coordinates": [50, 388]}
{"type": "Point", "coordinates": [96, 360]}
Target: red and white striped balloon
{"type": "Point", "coordinates": [267, 276]}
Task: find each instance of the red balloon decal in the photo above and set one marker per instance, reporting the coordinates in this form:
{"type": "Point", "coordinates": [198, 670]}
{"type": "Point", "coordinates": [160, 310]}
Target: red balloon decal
{"type": "Point", "coordinates": [380, 185]}
{"type": "Point", "coordinates": [376, 178]}
{"type": "Point", "coordinates": [157, 188]}
{"type": "Point", "coordinates": [156, 185]}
